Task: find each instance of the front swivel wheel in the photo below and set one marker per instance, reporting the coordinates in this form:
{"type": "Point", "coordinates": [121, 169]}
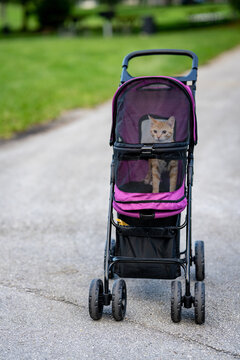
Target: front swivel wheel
{"type": "Point", "coordinates": [119, 299]}
{"type": "Point", "coordinates": [95, 300]}
{"type": "Point", "coordinates": [199, 302]}
{"type": "Point", "coordinates": [176, 301]}
{"type": "Point", "coordinates": [199, 261]}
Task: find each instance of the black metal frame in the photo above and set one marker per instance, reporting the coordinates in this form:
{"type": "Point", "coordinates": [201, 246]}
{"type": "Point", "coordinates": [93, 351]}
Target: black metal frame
{"type": "Point", "coordinates": [187, 260]}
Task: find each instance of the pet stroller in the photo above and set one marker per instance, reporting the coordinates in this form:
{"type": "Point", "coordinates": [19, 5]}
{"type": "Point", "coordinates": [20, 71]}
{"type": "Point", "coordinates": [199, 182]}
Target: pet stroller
{"type": "Point", "coordinates": [148, 224]}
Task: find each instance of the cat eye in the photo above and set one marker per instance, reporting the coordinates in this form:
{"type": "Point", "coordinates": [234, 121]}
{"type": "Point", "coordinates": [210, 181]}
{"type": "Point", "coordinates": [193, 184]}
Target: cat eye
{"type": "Point", "coordinates": [155, 131]}
{"type": "Point", "coordinates": [164, 132]}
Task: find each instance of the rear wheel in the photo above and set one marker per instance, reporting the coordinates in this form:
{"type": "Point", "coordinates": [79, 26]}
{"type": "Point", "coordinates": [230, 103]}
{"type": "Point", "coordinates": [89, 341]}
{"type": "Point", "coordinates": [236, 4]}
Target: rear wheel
{"type": "Point", "coordinates": [199, 261]}
{"type": "Point", "coordinates": [199, 302]}
{"type": "Point", "coordinates": [95, 300]}
{"type": "Point", "coordinates": [119, 299]}
{"type": "Point", "coordinates": [176, 301]}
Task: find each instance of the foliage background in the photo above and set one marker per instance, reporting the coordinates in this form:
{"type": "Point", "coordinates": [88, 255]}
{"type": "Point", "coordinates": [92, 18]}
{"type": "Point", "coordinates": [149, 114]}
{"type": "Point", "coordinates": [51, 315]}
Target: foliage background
{"type": "Point", "coordinates": [43, 73]}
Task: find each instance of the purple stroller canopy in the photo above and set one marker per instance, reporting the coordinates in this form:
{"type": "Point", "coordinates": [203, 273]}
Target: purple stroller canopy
{"type": "Point", "coordinates": [158, 97]}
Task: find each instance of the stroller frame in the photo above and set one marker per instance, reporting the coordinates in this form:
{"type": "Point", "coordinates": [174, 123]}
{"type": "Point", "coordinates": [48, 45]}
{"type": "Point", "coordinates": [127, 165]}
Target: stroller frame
{"type": "Point", "coordinates": [100, 294]}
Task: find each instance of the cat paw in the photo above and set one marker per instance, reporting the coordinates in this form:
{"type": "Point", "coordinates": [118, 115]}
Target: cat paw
{"type": "Point", "coordinates": [155, 189]}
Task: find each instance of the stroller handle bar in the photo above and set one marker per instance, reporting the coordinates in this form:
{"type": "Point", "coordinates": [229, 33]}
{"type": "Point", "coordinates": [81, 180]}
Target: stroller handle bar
{"type": "Point", "coordinates": [192, 76]}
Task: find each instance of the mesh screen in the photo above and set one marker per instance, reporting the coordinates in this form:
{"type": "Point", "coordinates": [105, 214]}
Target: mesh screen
{"type": "Point", "coordinates": [157, 97]}
{"type": "Point", "coordinates": [149, 175]}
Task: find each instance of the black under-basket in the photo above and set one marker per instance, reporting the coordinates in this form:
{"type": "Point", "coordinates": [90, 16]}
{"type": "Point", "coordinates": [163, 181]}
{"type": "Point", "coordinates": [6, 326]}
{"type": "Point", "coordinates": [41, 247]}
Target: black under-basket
{"type": "Point", "coordinates": [148, 242]}
{"type": "Point", "coordinates": [148, 218]}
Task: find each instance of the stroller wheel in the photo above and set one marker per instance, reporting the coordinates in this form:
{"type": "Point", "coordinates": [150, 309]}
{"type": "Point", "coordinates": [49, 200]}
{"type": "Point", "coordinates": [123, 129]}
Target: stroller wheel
{"type": "Point", "coordinates": [119, 299]}
{"type": "Point", "coordinates": [95, 300]}
{"type": "Point", "coordinates": [199, 261]}
{"type": "Point", "coordinates": [176, 301]}
{"type": "Point", "coordinates": [199, 302]}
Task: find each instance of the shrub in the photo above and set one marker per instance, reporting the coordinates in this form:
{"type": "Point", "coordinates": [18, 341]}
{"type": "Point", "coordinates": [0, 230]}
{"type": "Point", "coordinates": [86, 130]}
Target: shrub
{"type": "Point", "coordinates": [235, 4]}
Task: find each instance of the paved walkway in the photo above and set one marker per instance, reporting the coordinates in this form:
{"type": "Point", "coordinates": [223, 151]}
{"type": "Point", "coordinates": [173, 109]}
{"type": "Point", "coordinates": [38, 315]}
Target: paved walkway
{"type": "Point", "coordinates": [54, 198]}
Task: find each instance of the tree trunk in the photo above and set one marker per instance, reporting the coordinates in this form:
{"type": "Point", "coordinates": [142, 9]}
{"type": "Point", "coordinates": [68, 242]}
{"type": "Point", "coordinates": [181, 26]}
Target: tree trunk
{"type": "Point", "coordinates": [24, 17]}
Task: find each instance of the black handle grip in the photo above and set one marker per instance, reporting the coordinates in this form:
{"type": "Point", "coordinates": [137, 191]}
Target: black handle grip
{"type": "Point", "coordinates": [162, 52]}
{"type": "Point", "coordinates": [191, 76]}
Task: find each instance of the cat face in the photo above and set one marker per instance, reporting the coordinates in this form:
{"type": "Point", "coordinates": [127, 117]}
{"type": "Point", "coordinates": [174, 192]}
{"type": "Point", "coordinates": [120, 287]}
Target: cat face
{"type": "Point", "coordinates": [162, 130]}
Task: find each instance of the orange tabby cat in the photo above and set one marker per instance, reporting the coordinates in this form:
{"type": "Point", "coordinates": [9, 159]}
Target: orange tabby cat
{"type": "Point", "coordinates": [162, 131]}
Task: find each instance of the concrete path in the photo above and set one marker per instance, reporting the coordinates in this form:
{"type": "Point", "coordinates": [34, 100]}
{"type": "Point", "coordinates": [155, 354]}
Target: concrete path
{"type": "Point", "coordinates": [54, 199]}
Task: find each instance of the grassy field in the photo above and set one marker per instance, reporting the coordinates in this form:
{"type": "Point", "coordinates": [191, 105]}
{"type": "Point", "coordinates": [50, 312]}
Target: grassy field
{"type": "Point", "coordinates": [43, 76]}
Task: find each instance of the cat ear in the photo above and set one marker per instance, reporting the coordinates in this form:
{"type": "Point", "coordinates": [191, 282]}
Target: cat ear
{"type": "Point", "coordinates": [152, 119]}
{"type": "Point", "coordinates": [171, 121]}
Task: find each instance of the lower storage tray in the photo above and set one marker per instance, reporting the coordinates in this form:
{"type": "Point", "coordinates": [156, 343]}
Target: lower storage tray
{"type": "Point", "coordinates": [147, 243]}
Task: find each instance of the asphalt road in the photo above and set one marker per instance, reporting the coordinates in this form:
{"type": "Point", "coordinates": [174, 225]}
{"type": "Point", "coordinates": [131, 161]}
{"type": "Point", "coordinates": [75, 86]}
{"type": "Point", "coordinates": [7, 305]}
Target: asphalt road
{"type": "Point", "coordinates": [54, 197]}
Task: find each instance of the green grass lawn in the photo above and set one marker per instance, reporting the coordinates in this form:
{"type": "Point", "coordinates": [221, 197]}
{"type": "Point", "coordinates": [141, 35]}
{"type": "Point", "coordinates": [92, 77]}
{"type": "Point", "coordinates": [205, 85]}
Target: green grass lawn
{"type": "Point", "coordinates": [43, 76]}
